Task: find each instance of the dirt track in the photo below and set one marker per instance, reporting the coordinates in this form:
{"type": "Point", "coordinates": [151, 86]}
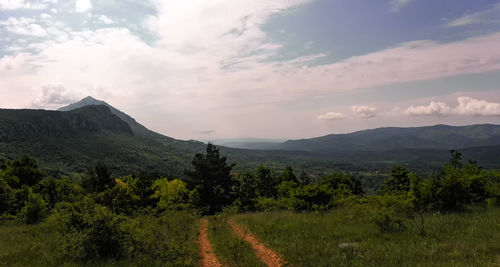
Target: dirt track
{"type": "Point", "coordinates": [266, 255]}
{"type": "Point", "coordinates": [208, 258]}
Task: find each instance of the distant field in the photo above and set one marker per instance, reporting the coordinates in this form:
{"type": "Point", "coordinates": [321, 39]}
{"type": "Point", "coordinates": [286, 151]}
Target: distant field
{"type": "Point", "coordinates": [346, 237]}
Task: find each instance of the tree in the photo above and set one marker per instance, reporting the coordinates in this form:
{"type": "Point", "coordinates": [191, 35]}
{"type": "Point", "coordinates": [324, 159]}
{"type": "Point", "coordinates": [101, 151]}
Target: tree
{"type": "Point", "coordinates": [98, 178]}
{"type": "Point", "coordinates": [23, 171]}
{"type": "Point", "coordinates": [212, 178]}
{"type": "Point", "coordinates": [455, 159]}
{"type": "Point", "coordinates": [266, 182]}
{"type": "Point", "coordinates": [247, 191]}
{"type": "Point", "coordinates": [399, 182]}
{"type": "Point", "coordinates": [171, 195]}
{"type": "Point", "coordinates": [288, 176]}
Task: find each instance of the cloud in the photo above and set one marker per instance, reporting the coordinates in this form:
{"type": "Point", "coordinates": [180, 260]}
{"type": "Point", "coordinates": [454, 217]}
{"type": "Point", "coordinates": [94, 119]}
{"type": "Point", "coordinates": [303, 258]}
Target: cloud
{"type": "Point", "coordinates": [20, 4]}
{"type": "Point", "coordinates": [490, 15]}
{"type": "Point", "coordinates": [476, 107]}
{"type": "Point", "coordinates": [466, 106]}
{"type": "Point", "coordinates": [331, 116]}
{"type": "Point", "coordinates": [364, 111]}
{"type": "Point", "coordinates": [434, 108]}
{"type": "Point", "coordinates": [105, 19]}
{"type": "Point", "coordinates": [23, 26]}
{"type": "Point", "coordinates": [206, 132]}
{"type": "Point", "coordinates": [54, 96]}
{"type": "Point", "coordinates": [83, 6]}
{"type": "Point", "coordinates": [396, 5]}
{"type": "Point", "coordinates": [213, 58]}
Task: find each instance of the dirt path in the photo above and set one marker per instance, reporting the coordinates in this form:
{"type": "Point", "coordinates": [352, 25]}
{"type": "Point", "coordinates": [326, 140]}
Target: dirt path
{"type": "Point", "coordinates": [266, 255]}
{"type": "Point", "coordinates": [208, 258]}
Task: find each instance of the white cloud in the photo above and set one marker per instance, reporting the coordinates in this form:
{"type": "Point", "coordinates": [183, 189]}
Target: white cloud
{"type": "Point", "coordinates": [20, 4]}
{"type": "Point", "coordinates": [331, 116]}
{"type": "Point", "coordinates": [490, 15]}
{"type": "Point", "coordinates": [476, 107]}
{"type": "Point", "coordinates": [105, 19]}
{"type": "Point", "coordinates": [466, 106]}
{"type": "Point", "coordinates": [83, 6]}
{"type": "Point", "coordinates": [434, 108]}
{"type": "Point", "coordinates": [396, 5]}
{"type": "Point", "coordinates": [54, 96]}
{"type": "Point", "coordinates": [23, 26]}
{"type": "Point", "coordinates": [45, 16]}
{"type": "Point", "coordinates": [364, 111]}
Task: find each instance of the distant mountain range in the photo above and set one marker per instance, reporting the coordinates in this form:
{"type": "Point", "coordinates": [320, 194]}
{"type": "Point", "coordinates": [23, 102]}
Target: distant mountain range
{"type": "Point", "coordinates": [392, 138]}
{"type": "Point", "coordinates": [77, 136]}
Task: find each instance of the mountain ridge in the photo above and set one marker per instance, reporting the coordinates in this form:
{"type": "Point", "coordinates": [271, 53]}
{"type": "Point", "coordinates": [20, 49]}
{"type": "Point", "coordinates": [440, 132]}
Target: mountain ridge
{"type": "Point", "coordinates": [438, 136]}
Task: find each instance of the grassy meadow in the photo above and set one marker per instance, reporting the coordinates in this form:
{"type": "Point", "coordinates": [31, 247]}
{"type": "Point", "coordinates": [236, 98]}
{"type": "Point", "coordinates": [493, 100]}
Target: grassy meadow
{"type": "Point", "coordinates": [348, 237]}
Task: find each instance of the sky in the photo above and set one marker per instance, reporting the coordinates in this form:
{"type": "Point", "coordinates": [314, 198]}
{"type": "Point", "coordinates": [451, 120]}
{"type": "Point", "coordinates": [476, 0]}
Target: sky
{"type": "Point", "coordinates": [283, 69]}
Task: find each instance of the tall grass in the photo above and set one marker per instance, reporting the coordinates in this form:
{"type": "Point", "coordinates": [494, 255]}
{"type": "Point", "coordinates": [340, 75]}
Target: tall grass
{"type": "Point", "coordinates": [348, 237]}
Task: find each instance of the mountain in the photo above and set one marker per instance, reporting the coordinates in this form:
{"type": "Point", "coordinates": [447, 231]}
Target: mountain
{"type": "Point", "coordinates": [71, 141]}
{"type": "Point", "coordinates": [441, 137]}
{"type": "Point", "coordinates": [26, 124]}
{"type": "Point", "coordinates": [137, 128]}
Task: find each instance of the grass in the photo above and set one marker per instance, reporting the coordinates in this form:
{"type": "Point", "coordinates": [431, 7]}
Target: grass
{"type": "Point", "coordinates": [166, 241]}
{"type": "Point", "coordinates": [348, 237]}
{"type": "Point", "coordinates": [230, 250]}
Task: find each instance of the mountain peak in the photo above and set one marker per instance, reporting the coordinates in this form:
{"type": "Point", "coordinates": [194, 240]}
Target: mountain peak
{"type": "Point", "coordinates": [137, 128]}
{"type": "Point", "coordinates": [89, 98]}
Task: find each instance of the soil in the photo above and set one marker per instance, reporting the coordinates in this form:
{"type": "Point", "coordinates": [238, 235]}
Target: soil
{"type": "Point", "coordinates": [207, 255]}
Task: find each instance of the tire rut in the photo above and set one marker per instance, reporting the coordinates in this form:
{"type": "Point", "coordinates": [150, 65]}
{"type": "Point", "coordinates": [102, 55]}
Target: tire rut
{"type": "Point", "coordinates": [208, 258]}
{"type": "Point", "coordinates": [266, 255]}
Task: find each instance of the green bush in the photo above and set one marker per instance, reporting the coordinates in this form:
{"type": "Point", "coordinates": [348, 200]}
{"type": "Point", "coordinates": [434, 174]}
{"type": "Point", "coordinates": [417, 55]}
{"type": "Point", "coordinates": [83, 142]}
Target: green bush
{"type": "Point", "coordinates": [93, 232]}
{"type": "Point", "coordinates": [35, 208]}
{"type": "Point", "coordinates": [390, 211]}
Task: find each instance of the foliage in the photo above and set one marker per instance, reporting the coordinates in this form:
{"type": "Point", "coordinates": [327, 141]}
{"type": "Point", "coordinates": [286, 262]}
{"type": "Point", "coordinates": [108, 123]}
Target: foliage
{"type": "Point", "coordinates": [212, 179]}
{"type": "Point", "coordinates": [92, 233]}
{"type": "Point", "coordinates": [398, 182]}
{"type": "Point", "coordinates": [34, 209]}
{"type": "Point", "coordinates": [23, 171]}
{"type": "Point", "coordinates": [98, 178]}
{"type": "Point", "coordinates": [390, 211]}
{"type": "Point", "coordinates": [172, 195]}
{"type": "Point", "coordinates": [5, 196]}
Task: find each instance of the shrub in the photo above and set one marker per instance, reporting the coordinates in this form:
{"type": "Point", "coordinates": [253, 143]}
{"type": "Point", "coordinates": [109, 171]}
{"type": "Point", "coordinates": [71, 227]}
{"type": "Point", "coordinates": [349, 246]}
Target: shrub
{"type": "Point", "coordinates": [92, 232]}
{"type": "Point", "coordinates": [390, 211]}
{"type": "Point", "coordinates": [35, 208]}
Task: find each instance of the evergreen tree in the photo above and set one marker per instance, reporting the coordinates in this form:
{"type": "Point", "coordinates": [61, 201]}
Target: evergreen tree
{"type": "Point", "coordinates": [212, 178]}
